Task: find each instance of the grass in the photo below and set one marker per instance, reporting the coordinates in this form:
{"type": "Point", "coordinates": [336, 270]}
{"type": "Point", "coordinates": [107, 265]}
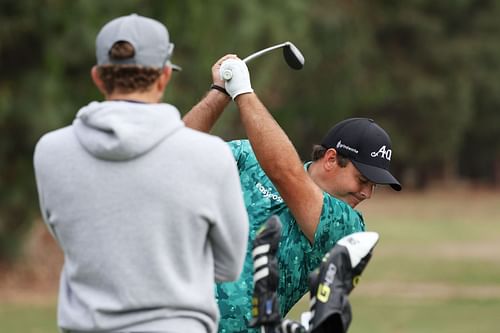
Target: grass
{"type": "Point", "coordinates": [27, 318]}
{"type": "Point", "coordinates": [436, 269]}
{"type": "Point", "coordinates": [427, 315]}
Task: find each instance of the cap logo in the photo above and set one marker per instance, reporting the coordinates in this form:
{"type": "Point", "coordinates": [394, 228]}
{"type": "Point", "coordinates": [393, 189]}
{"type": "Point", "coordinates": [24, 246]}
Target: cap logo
{"type": "Point", "coordinates": [341, 145]}
{"type": "Point", "coordinates": [384, 153]}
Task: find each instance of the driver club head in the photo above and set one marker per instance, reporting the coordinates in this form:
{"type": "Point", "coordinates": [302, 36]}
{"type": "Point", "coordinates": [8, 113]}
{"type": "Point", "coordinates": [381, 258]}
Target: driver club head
{"type": "Point", "coordinates": [293, 56]}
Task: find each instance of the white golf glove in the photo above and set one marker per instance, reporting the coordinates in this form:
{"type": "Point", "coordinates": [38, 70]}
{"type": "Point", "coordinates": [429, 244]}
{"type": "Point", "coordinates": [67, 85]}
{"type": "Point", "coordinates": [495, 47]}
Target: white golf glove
{"type": "Point", "coordinates": [235, 74]}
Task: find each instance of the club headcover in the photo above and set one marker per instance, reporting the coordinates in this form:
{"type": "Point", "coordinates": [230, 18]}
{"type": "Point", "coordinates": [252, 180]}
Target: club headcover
{"type": "Point", "coordinates": [265, 305]}
{"type": "Point", "coordinates": [333, 281]}
{"type": "Point", "coordinates": [291, 326]}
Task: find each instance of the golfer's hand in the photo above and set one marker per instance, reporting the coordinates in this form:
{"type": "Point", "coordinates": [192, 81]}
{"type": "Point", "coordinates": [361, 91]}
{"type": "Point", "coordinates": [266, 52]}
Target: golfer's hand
{"type": "Point", "coordinates": [239, 81]}
{"type": "Point", "coordinates": [216, 78]}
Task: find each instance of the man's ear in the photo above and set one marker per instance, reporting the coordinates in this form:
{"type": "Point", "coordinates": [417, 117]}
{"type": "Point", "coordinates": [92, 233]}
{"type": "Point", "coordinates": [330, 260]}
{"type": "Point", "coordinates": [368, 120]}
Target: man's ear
{"type": "Point", "coordinates": [330, 159]}
{"type": "Point", "coordinates": [94, 73]}
{"type": "Point", "coordinates": [164, 78]}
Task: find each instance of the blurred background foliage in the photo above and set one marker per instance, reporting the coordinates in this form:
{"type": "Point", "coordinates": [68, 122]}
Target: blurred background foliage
{"type": "Point", "coordinates": [428, 71]}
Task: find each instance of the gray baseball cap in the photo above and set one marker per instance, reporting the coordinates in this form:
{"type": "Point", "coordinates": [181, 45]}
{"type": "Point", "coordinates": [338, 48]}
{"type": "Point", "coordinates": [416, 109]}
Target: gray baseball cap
{"type": "Point", "coordinates": [149, 38]}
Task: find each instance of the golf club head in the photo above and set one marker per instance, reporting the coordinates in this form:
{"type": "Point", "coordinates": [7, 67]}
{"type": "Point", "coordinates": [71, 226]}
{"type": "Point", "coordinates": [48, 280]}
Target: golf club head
{"type": "Point", "coordinates": [293, 56]}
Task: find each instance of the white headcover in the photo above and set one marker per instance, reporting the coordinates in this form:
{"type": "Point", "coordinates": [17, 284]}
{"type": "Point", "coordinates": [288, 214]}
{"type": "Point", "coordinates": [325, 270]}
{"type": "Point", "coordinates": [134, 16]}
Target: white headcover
{"type": "Point", "coordinates": [359, 244]}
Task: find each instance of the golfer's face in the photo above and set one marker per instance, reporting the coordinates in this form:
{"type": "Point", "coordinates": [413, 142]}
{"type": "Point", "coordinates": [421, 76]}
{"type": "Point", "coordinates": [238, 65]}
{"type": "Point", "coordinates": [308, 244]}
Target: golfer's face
{"type": "Point", "coordinates": [350, 186]}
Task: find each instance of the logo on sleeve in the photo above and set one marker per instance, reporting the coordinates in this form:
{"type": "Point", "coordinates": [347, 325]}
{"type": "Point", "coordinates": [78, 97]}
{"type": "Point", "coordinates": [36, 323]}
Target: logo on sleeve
{"type": "Point", "coordinates": [383, 152]}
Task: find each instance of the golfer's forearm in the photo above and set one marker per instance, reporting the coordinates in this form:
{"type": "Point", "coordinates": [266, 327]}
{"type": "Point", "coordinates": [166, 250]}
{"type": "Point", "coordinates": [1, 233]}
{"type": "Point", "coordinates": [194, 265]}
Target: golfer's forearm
{"type": "Point", "coordinates": [202, 116]}
{"type": "Point", "coordinates": [281, 163]}
{"type": "Point", "coordinates": [274, 150]}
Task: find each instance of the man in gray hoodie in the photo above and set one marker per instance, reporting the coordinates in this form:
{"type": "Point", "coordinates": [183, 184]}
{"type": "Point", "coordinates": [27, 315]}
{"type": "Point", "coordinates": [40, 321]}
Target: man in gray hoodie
{"type": "Point", "coordinates": [149, 213]}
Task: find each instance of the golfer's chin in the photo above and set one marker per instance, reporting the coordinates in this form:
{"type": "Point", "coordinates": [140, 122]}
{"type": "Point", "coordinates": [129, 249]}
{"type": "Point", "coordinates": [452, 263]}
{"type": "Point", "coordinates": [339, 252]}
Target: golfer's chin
{"type": "Point", "coordinates": [350, 199]}
{"type": "Point", "coordinates": [353, 201]}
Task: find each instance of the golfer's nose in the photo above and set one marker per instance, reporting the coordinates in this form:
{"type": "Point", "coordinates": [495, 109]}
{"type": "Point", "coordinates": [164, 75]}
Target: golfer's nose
{"type": "Point", "coordinates": [367, 190]}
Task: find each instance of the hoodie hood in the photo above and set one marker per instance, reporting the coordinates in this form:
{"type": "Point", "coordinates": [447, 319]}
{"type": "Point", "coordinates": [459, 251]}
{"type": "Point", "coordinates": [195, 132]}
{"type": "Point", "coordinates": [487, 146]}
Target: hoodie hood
{"type": "Point", "coordinates": [121, 130]}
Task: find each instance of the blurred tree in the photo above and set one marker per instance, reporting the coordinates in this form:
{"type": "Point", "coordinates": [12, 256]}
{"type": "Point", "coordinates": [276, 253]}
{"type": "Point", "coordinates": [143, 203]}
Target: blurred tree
{"type": "Point", "coordinates": [426, 70]}
{"type": "Point", "coordinates": [480, 149]}
{"type": "Point", "coordinates": [47, 50]}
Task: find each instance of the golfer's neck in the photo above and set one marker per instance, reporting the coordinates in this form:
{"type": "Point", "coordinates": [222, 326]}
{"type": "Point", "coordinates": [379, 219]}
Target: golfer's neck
{"type": "Point", "coordinates": [136, 96]}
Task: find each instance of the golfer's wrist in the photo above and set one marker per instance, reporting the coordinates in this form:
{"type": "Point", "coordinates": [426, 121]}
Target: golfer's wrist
{"type": "Point", "coordinates": [220, 89]}
{"type": "Point", "coordinates": [246, 93]}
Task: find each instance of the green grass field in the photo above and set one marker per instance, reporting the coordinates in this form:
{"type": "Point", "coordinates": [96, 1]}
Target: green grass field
{"type": "Point", "coordinates": [27, 318]}
{"type": "Point", "coordinates": [436, 269]}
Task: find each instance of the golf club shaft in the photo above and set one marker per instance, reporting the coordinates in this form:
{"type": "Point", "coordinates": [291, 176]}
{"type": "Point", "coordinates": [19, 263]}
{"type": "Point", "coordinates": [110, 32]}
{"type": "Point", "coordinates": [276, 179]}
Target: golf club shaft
{"type": "Point", "coordinates": [227, 75]}
{"type": "Point", "coordinates": [261, 52]}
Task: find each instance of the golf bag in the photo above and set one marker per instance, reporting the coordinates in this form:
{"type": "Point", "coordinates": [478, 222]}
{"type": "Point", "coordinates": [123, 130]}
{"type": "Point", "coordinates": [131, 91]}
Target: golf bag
{"type": "Point", "coordinates": [330, 284]}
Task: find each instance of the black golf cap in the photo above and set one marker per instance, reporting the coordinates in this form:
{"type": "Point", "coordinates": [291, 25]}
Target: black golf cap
{"type": "Point", "coordinates": [368, 147]}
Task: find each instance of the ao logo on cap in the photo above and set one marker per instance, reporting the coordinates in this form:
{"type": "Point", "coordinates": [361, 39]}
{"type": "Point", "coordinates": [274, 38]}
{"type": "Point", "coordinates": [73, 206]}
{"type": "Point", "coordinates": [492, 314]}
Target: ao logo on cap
{"type": "Point", "coordinates": [384, 153]}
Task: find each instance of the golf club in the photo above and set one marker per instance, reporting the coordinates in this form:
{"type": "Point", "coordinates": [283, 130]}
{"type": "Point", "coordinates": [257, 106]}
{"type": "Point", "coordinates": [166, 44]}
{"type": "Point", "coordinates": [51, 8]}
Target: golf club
{"type": "Point", "coordinates": [291, 53]}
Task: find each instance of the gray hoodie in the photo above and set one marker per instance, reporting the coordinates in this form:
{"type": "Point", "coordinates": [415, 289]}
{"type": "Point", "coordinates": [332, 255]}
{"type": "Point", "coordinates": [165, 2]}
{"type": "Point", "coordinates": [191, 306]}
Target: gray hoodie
{"type": "Point", "coordinates": [148, 213]}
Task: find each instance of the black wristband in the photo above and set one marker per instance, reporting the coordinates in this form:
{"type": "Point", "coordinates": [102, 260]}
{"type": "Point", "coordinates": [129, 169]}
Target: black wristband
{"type": "Point", "coordinates": [219, 88]}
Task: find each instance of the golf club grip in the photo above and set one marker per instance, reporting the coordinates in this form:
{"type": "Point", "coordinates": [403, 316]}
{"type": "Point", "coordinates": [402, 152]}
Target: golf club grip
{"type": "Point", "coordinates": [228, 74]}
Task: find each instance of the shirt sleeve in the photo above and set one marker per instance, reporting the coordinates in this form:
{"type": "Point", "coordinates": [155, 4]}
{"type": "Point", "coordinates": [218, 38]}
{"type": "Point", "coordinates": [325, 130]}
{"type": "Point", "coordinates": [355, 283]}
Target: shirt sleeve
{"type": "Point", "coordinates": [337, 220]}
{"type": "Point", "coordinates": [242, 151]}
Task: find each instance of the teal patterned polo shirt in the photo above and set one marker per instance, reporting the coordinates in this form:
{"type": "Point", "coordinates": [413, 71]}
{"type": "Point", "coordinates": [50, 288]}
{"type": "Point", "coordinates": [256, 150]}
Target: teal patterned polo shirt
{"type": "Point", "coordinates": [296, 256]}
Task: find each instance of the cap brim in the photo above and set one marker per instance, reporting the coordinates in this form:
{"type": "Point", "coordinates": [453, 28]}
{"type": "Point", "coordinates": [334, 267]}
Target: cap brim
{"type": "Point", "coordinates": [377, 175]}
{"type": "Point", "coordinates": [174, 67]}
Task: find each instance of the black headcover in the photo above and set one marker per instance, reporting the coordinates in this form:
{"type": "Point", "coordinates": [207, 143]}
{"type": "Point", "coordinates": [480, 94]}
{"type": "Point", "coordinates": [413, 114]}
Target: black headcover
{"type": "Point", "coordinates": [265, 306]}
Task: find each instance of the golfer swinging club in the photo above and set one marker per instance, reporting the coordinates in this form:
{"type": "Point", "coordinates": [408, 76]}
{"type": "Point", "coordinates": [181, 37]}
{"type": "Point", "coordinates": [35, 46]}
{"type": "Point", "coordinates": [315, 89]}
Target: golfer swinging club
{"type": "Point", "coordinates": [315, 201]}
